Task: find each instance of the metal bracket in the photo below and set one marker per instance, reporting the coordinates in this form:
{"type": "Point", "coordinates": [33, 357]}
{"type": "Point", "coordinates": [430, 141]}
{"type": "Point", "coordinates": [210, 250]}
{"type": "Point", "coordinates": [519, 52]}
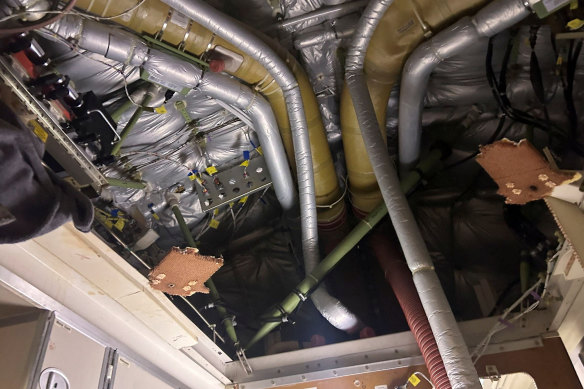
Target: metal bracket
{"type": "Point", "coordinates": [243, 360]}
{"type": "Point", "coordinates": [230, 185]}
{"type": "Point", "coordinates": [108, 369]}
{"type": "Point", "coordinates": [493, 372]}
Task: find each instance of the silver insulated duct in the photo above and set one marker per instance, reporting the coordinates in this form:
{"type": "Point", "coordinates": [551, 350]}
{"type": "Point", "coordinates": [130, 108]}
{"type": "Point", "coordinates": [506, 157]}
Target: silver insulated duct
{"type": "Point", "coordinates": [242, 38]}
{"type": "Point", "coordinates": [459, 367]}
{"type": "Point", "coordinates": [220, 24]}
{"type": "Point", "coordinates": [494, 18]}
{"type": "Point", "coordinates": [178, 74]}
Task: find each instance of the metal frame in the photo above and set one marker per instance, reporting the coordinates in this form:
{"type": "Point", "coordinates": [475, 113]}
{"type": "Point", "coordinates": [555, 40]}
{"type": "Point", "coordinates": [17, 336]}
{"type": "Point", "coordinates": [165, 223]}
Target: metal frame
{"type": "Point", "coordinates": [27, 291]}
{"type": "Point", "coordinates": [59, 145]}
{"type": "Point", "coordinates": [397, 350]}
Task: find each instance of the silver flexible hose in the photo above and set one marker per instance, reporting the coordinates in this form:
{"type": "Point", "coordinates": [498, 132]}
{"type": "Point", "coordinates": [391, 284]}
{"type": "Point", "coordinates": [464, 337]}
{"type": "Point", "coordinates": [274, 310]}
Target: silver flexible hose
{"type": "Point", "coordinates": [459, 367]}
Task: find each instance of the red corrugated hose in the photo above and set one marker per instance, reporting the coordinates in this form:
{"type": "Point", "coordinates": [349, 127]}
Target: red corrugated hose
{"type": "Point", "coordinates": [399, 277]}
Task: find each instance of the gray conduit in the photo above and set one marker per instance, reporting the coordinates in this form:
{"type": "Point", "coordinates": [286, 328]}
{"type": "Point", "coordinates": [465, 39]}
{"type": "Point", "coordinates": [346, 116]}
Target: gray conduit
{"type": "Point", "coordinates": [127, 48]}
{"type": "Point", "coordinates": [224, 26]}
{"type": "Point", "coordinates": [459, 367]}
{"type": "Point", "coordinates": [344, 28]}
{"type": "Point", "coordinates": [232, 92]}
{"type": "Point", "coordinates": [492, 19]}
{"type": "Point", "coordinates": [320, 15]}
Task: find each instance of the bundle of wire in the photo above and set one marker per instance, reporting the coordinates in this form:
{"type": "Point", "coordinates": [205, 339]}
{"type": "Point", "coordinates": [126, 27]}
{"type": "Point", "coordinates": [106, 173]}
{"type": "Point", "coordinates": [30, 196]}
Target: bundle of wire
{"type": "Point", "coordinates": [507, 319]}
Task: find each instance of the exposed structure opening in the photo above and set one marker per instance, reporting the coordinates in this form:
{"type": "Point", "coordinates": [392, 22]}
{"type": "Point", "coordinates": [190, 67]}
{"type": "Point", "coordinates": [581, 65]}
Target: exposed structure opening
{"type": "Point", "coordinates": [302, 174]}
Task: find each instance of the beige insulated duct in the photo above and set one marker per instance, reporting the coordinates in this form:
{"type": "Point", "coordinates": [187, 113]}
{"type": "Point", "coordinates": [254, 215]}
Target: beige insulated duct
{"type": "Point", "coordinates": [489, 21]}
{"type": "Point", "coordinates": [451, 345]}
{"type": "Point", "coordinates": [156, 19]}
{"type": "Point", "coordinates": [399, 32]}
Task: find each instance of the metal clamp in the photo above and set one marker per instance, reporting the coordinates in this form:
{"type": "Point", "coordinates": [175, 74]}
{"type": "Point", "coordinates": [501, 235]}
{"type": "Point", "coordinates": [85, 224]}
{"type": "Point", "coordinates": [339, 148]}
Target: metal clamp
{"type": "Point", "coordinates": [243, 359]}
{"type": "Point", "coordinates": [300, 295]}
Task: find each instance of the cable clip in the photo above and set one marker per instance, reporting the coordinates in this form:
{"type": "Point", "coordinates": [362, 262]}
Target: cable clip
{"type": "Point", "coordinates": [284, 318]}
{"type": "Point", "coordinates": [300, 295]}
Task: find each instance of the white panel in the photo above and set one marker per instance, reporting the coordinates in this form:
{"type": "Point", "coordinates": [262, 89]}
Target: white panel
{"type": "Point", "coordinates": [572, 332]}
{"type": "Point", "coordinates": [62, 288]}
{"type": "Point", "coordinates": [77, 356]}
{"type": "Point", "coordinates": [130, 376]}
{"type": "Point", "coordinates": [114, 277]}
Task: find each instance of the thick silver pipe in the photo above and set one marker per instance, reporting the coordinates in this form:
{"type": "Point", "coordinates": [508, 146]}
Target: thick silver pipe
{"type": "Point", "coordinates": [127, 48]}
{"type": "Point", "coordinates": [320, 15]}
{"type": "Point", "coordinates": [225, 27]}
{"type": "Point", "coordinates": [168, 70]}
{"type": "Point", "coordinates": [453, 350]}
{"type": "Point", "coordinates": [492, 19]}
{"type": "Point", "coordinates": [232, 92]}
{"type": "Point", "coordinates": [322, 35]}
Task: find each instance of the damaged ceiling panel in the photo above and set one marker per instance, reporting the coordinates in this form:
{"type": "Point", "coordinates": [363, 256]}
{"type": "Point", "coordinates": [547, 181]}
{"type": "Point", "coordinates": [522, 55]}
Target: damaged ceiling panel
{"type": "Point", "coordinates": [237, 164]}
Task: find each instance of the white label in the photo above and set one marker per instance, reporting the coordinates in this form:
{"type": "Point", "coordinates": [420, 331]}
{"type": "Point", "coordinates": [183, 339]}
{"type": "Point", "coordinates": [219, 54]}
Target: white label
{"type": "Point", "coordinates": [179, 19]}
{"type": "Point", "coordinates": [552, 5]}
{"type": "Point", "coordinates": [380, 386]}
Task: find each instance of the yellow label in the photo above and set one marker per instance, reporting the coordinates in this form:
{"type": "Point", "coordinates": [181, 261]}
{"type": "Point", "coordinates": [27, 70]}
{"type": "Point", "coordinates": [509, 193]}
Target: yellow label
{"type": "Point", "coordinates": [231, 204]}
{"type": "Point", "coordinates": [120, 224]}
{"type": "Point", "coordinates": [574, 4]}
{"type": "Point", "coordinates": [161, 110]}
{"type": "Point", "coordinates": [414, 380]}
{"type": "Point", "coordinates": [39, 131]}
{"type": "Point", "coordinates": [560, 61]}
{"type": "Point", "coordinates": [575, 24]}
{"type": "Point", "coordinates": [260, 151]}
{"type": "Point", "coordinates": [155, 216]}
{"type": "Point", "coordinates": [216, 211]}
{"type": "Point", "coordinates": [108, 223]}
{"type": "Point", "coordinates": [243, 199]}
{"type": "Point", "coordinates": [211, 170]}
{"type": "Point", "coordinates": [192, 177]}
{"type": "Point", "coordinates": [245, 163]}
{"type": "Point", "coordinates": [214, 223]}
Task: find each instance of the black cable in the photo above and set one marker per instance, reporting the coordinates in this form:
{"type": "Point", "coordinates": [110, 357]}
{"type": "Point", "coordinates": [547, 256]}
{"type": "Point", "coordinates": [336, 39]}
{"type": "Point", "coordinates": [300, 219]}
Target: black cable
{"type": "Point", "coordinates": [535, 74]}
{"type": "Point", "coordinates": [500, 95]}
{"type": "Point", "coordinates": [573, 55]}
{"type": "Point", "coordinates": [498, 133]}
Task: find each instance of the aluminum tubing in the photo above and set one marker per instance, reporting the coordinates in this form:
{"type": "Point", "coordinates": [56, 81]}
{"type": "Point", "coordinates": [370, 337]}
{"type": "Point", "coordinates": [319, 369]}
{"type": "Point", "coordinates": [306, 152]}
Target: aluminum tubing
{"type": "Point", "coordinates": [322, 36]}
{"type": "Point", "coordinates": [230, 91]}
{"type": "Point", "coordinates": [492, 19]}
{"type": "Point", "coordinates": [320, 15]}
{"type": "Point", "coordinates": [457, 361]}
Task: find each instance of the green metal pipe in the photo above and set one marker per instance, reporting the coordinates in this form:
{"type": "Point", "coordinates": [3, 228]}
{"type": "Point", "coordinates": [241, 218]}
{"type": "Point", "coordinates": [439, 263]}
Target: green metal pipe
{"type": "Point", "coordinates": [131, 123]}
{"type": "Point", "coordinates": [306, 286]}
{"type": "Point", "coordinates": [215, 298]}
{"type": "Point", "coordinates": [117, 114]}
{"type": "Point", "coordinates": [120, 182]}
